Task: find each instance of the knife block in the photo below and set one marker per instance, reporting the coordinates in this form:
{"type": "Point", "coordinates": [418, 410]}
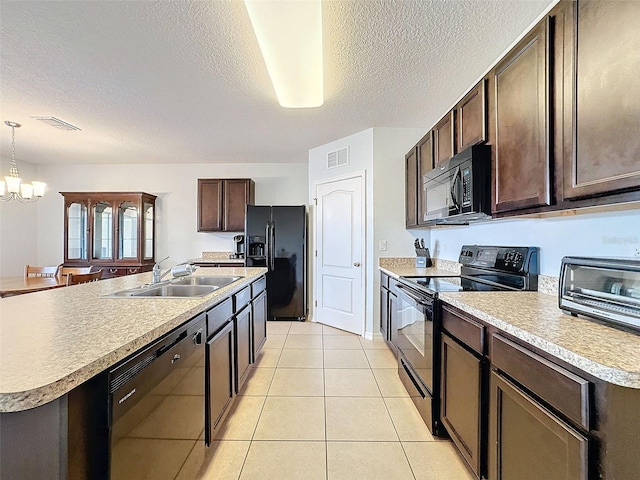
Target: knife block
{"type": "Point", "coordinates": [424, 261]}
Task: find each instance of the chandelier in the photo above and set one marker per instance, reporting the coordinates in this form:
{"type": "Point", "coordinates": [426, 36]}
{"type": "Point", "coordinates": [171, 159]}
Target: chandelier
{"type": "Point", "coordinates": [16, 190]}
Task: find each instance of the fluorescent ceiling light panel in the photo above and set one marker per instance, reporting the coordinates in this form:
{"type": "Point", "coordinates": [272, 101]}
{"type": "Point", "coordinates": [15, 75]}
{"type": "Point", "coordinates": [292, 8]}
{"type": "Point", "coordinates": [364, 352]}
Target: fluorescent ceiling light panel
{"type": "Point", "coordinates": [289, 33]}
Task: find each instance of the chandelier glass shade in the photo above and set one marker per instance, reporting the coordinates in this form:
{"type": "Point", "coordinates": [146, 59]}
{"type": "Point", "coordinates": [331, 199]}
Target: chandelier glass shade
{"type": "Point", "coordinates": [12, 187]}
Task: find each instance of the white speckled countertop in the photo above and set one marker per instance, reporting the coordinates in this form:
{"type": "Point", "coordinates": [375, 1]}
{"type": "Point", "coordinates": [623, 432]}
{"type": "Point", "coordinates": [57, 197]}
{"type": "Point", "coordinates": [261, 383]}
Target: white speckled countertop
{"type": "Point", "coordinates": [605, 352]}
{"type": "Point", "coordinates": [52, 341]}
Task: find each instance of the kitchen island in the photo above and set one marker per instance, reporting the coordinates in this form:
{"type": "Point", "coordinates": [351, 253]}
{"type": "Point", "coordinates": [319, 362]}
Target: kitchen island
{"type": "Point", "coordinates": [53, 343]}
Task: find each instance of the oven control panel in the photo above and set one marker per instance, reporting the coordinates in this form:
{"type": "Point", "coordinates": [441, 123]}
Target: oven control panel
{"type": "Point", "coordinates": [510, 259]}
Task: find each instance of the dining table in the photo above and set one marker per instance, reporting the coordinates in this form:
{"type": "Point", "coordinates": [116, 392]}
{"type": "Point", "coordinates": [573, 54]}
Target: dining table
{"type": "Point", "coordinates": [10, 286]}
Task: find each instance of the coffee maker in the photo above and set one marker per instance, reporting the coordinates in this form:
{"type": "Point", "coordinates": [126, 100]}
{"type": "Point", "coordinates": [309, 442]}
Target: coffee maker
{"type": "Point", "coordinates": [238, 250]}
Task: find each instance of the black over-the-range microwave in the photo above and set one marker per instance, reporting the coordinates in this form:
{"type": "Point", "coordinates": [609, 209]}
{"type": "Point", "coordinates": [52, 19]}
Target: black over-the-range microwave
{"type": "Point", "coordinates": [459, 191]}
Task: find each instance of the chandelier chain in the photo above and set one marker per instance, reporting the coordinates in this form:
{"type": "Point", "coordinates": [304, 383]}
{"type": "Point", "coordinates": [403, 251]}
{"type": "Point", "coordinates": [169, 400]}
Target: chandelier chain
{"type": "Point", "coordinates": [13, 168]}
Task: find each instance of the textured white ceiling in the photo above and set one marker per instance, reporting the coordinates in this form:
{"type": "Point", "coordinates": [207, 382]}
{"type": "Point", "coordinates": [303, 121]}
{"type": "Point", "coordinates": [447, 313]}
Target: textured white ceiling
{"type": "Point", "coordinates": [183, 81]}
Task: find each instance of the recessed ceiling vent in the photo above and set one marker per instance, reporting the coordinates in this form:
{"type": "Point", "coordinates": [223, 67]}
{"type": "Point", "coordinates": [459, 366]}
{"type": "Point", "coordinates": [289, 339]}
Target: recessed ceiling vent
{"type": "Point", "coordinates": [57, 123]}
{"type": "Point", "coordinates": [338, 158]}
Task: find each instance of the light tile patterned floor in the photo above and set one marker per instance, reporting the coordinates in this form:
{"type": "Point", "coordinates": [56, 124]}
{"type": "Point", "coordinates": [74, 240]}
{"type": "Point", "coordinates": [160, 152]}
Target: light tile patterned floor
{"type": "Point", "coordinates": [323, 404]}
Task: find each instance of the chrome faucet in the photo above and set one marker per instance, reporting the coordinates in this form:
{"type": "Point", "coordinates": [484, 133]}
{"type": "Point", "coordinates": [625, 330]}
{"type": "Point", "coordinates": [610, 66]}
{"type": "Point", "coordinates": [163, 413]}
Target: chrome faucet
{"type": "Point", "coordinates": [157, 271]}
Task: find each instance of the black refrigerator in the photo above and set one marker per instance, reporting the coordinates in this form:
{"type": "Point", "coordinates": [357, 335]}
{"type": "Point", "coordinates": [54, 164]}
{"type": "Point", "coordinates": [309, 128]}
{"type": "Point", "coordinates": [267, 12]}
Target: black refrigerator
{"type": "Point", "coordinates": [276, 238]}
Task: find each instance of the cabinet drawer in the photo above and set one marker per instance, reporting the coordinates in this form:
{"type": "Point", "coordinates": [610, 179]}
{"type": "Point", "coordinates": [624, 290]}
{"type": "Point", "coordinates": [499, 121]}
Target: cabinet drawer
{"type": "Point", "coordinates": [241, 299]}
{"type": "Point", "coordinates": [466, 330]}
{"type": "Point", "coordinates": [218, 316]}
{"type": "Point", "coordinates": [563, 390]}
{"type": "Point", "coordinates": [258, 286]}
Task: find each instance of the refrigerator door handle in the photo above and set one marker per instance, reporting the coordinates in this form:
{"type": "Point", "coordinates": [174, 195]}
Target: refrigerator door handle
{"type": "Point", "coordinates": [272, 247]}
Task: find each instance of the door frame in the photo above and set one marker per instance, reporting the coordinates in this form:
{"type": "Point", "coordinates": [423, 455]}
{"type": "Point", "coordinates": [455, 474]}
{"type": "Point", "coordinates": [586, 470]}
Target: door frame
{"type": "Point", "coordinates": [358, 174]}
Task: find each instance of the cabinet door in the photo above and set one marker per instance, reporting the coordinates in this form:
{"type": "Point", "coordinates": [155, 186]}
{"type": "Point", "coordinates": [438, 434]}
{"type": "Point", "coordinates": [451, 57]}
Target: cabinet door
{"type": "Point", "coordinates": [602, 98]}
{"type": "Point", "coordinates": [461, 401]}
{"type": "Point", "coordinates": [384, 313]}
{"type": "Point", "coordinates": [259, 318]}
{"type": "Point", "coordinates": [210, 204]}
{"type": "Point", "coordinates": [527, 442]}
{"type": "Point", "coordinates": [393, 321]}
{"type": "Point", "coordinates": [242, 322]}
{"type": "Point", "coordinates": [128, 228]}
{"type": "Point", "coordinates": [444, 145]}
{"type": "Point", "coordinates": [522, 158]}
{"type": "Point", "coordinates": [237, 195]}
{"type": "Point", "coordinates": [102, 229]}
{"type": "Point", "coordinates": [471, 113]}
{"type": "Point", "coordinates": [148, 229]}
{"type": "Point", "coordinates": [76, 240]}
{"type": "Point", "coordinates": [425, 163]}
{"type": "Point", "coordinates": [411, 188]}
{"type": "Point", "coordinates": [220, 370]}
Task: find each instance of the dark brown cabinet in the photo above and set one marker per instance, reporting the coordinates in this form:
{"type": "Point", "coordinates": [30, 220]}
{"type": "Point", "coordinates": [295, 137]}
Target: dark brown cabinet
{"type": "Point", "coordinates": [112, 231]}
{"type": "Point", "coordinates": [243, 334]}
{"type": "Point", "coordinates": [411, 188]}
{"type": "Point", "coordinates": [528, 442]}
{"type": "Point", "coordinates": [242, 322]}
{"type": "Point", "coordinates": [259, 318]}
{"type": "Point", "coordinates": [463, 392]}
{"type": "Point", "coordinates": [220, 377]}
{"type": "Point", "coordinates": [444, 143]}
{"type": "Point", "coordinates": [539, 417]}
{"type": "Point", "coordinates": [521, 119]}
{"type": "Point", "coordinates": [219, 366]}
{"type": "Point", "coordinates": [222, 203]}
{"type": "Point", "coordinates": [601, 145]}
{"type": "Point", "coordinates": [471, 114]}
{"type": "Point", "coordinates": [425, 163]}
{"type": "Point", "coordinates": [388, 310]}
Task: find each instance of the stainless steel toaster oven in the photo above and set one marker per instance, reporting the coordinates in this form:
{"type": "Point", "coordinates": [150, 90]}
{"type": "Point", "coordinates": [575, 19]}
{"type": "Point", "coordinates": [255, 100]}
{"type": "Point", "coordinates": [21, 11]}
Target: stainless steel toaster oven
{"type": "Point", "coordinates": [607, 289]}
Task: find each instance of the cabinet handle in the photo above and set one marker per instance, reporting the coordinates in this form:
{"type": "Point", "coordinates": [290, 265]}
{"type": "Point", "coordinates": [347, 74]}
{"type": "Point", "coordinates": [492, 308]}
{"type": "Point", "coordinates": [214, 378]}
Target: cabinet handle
{"type": "Point", "coordinates": [356, 264]}
{"type": "Point", "coordinates": [113, 270]}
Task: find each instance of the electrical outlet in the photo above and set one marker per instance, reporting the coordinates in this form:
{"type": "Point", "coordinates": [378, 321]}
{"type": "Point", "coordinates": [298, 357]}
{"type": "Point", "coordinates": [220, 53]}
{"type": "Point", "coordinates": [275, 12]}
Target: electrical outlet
{"type": "Point", "coordinates": [637, 253]}
{"type": "Point", "coordinates": [382, 246]}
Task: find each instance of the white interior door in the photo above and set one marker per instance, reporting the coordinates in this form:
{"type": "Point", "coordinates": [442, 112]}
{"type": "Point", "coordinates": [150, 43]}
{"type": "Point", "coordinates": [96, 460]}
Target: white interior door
{"type": "Point", "coordinates": [339, 276]}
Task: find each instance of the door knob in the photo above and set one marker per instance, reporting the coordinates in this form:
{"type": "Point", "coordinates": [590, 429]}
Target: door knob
{"type": "Point", "coordinates": [356, 264]}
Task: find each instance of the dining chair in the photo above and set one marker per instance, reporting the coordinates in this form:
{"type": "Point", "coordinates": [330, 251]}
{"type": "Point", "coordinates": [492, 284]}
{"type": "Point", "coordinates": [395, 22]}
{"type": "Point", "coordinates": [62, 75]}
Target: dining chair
{"type": "Point", "coordinates": [65, 271]}
{"type": "Point", "coordinates": [76, 278]}
{"type": "Point", "coordinates": [31, 271]}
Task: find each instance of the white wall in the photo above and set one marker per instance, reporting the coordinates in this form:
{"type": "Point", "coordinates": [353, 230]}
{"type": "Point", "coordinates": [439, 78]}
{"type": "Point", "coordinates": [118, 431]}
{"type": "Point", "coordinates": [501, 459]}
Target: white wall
{"type": "Point", "coordinates": [18, 225]}
{"type": "Point", "coordinates": [360, 160]}
{"type": "Point", "coordinates": [379, 152]}
{"type": "Point", "coordinates": [176, 188]}
{"type": "Point", "coordinates": [610, 234]}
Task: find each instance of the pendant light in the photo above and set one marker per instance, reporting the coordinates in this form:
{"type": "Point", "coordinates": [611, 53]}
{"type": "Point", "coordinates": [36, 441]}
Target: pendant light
{"type": "Point", "coordinates": [12, 184]}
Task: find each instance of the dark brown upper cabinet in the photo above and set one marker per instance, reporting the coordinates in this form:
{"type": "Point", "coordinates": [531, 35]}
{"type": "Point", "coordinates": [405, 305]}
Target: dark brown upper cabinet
{"type": "Point", "coordinates": [599, 110]}
{"type": "Point", "coordinates": [444, 145]}
{"type": "Point", "coordinates": [522, 159]}
{"type": "Point", "coordinates": [411, 188]}
{"type": "Point", "coordinates": [222, 203]}
{"type": "Point", "coordinates": [471, 113]}
{"type": "Point", "coordinates": [425, 163]}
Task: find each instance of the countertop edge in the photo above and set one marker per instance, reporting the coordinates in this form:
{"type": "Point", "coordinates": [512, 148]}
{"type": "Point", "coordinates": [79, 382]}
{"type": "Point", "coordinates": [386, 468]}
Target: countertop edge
{"type": "Point", "coordinates": [603, 372]}
{"type": "Point", "coordinates": [17, 401]}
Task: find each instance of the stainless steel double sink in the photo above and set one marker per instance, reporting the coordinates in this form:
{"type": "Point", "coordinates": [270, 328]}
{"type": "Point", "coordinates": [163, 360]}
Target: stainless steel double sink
{"type": "Point", "coordinates": [191, 286]}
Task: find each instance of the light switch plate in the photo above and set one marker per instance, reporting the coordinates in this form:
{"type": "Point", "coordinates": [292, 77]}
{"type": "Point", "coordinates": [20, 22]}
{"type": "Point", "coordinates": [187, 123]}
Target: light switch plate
{"type": "Point", "coordinates": [382, 246]}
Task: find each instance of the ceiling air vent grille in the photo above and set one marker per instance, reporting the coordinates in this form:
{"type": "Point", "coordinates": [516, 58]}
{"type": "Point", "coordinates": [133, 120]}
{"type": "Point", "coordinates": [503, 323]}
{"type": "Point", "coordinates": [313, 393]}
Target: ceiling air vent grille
{"type": "Point", "coordinates": [338, 158]}
{"type": "Point", "coordinates": [57, 123]}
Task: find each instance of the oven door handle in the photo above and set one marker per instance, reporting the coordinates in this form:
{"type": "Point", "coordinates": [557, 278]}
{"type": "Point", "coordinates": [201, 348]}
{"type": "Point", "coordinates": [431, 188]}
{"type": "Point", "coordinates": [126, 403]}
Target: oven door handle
{"type": "Point", "coordinates": [412, 296]}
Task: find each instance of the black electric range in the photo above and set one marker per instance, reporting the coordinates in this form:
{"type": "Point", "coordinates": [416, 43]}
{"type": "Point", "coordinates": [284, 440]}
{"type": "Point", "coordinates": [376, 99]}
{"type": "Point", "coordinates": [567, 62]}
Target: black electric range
{"type": "Point", "coordinates": [485, 269]}
{"type": "Point", "coordinates": [418, 324]}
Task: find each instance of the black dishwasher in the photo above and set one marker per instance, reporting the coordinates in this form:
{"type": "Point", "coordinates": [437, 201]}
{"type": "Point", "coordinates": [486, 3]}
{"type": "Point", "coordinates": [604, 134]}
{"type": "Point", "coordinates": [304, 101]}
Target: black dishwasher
{"type": "Point", "coordinates": [156, 406]}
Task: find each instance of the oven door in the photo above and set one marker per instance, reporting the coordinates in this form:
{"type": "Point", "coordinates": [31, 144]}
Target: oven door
{"type": "Point", "coordinates": [416, 333]}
